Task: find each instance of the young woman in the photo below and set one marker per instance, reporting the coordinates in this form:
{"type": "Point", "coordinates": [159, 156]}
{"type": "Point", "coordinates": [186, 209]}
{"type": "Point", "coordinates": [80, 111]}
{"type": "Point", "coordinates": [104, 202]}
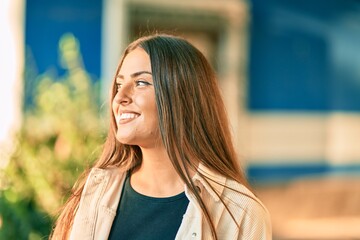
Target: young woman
{"type": "Point", "coordinates": [168, 169]}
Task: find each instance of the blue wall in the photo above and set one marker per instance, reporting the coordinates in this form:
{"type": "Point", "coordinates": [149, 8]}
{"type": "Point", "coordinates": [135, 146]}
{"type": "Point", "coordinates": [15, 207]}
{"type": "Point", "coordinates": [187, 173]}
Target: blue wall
{"type": "Point", "coordinates": [48, 20]}
{"type": "Point", "coordinates": [304, 55]}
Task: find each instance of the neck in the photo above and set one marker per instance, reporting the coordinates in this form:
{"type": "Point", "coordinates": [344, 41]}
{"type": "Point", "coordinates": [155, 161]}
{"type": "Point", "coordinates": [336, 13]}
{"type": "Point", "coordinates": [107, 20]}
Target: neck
{"type": "Point", "coordinates": [156, 175]}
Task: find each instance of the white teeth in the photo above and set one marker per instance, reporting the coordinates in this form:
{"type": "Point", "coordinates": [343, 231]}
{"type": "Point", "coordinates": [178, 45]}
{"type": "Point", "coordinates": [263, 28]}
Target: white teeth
{"type": "Point", "coordinates": [128, 116]}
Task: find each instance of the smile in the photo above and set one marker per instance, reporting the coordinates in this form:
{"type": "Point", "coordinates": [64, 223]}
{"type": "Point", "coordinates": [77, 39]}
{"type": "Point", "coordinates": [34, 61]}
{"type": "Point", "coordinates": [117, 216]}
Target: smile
{"type": "Point", "coordinates": [127, 117]}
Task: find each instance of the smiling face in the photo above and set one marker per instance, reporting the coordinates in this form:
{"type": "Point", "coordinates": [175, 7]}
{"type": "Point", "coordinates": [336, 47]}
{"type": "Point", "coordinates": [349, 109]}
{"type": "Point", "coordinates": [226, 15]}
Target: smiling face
{"type": "Point", "coordinates": [134, 105]}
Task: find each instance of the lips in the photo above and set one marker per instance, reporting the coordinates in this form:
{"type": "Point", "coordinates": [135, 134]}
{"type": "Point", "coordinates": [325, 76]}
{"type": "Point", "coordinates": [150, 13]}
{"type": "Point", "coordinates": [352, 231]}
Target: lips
{"type": "Point", "coordinates": [126, 117]}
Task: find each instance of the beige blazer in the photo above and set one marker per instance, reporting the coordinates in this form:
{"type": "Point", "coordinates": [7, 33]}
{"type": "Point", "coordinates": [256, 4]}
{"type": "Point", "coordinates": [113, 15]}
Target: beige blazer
{"type": "Point", "coordinates": [101, 194]}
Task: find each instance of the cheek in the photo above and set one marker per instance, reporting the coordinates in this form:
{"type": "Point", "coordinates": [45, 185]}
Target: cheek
{"type": "Point", "coordinates": [148, 105]}
{"type": "Point", "coordinates": [149, 110]}
{"type": "Point", "coordinates": [153, 110]}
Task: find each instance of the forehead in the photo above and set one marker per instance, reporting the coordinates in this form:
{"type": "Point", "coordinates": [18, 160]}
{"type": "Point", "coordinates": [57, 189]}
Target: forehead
{"type": "Point", "coordinates": [135, 61]}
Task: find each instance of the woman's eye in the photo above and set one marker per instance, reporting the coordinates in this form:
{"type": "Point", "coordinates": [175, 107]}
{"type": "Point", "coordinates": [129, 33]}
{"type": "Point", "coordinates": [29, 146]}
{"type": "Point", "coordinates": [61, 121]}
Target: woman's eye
{"type": "Point", "coordinates": [142, 83]}
{"type": "Point", "coordinates": [118, 86]}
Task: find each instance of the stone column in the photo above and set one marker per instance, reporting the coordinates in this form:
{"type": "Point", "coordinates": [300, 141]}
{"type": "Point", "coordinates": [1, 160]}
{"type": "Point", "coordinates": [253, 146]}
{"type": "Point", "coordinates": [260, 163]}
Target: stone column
{"type": "Point", "coordinates": [12, 69]}
{"type": "Point", "coordinates": [233, 75]}
{"type": "Point", "coordinates": [114, 39]}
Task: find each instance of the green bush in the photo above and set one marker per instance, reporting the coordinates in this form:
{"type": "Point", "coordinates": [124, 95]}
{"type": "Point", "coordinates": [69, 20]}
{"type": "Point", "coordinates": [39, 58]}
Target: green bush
{"type": "Point", "coordinates": [61, 134]}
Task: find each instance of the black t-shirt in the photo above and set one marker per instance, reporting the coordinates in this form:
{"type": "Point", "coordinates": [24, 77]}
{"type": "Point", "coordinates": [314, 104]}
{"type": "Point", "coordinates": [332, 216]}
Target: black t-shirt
{"type": "Point", "coordinates": [141, 217]}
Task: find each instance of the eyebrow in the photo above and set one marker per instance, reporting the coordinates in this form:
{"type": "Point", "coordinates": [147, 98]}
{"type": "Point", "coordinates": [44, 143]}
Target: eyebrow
{"type": "Point", "coordinates": [133, 75]}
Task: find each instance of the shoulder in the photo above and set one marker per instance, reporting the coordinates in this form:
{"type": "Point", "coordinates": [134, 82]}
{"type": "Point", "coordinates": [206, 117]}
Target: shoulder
{"type": "Point", "coordinates": [99, 174]}
{"type": "Point", "coordinates": [103, 178]}
{"type": "Point", "coordinates": [250, 213]}
{"type": "Point", "coordinates": [239, 196]}
{"type": "Point", "coordinates": [98, 202]}
{"type": "Point", "coordinates": [230, 191]}
{"type": "Point", "coordinates": [234, 201]}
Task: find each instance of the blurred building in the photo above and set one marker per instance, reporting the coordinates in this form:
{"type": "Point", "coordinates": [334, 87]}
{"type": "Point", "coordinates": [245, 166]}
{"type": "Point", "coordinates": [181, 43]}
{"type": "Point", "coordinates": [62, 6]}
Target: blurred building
{"type": "Point", "coordinates": [304, 87]}
{"type": "Point", "coordinates": [289, 70]}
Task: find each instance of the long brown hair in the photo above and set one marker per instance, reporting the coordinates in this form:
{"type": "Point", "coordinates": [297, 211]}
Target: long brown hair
{"type": "Point", "coordinates": [192, 119]}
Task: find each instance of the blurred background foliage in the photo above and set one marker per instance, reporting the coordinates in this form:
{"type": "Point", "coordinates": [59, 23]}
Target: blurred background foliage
{"type": "Point", "coordinates": [62, 134]}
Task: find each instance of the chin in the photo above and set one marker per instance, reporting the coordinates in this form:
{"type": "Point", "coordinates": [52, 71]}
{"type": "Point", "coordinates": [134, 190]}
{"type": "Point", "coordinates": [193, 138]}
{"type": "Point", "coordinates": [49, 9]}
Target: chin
{"type": "Point", "coordinates": [125, 140]}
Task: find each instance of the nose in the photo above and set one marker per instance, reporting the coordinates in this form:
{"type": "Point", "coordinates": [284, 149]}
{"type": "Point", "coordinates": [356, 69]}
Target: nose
{"type": "Point", "coordinates": [123, 95]}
